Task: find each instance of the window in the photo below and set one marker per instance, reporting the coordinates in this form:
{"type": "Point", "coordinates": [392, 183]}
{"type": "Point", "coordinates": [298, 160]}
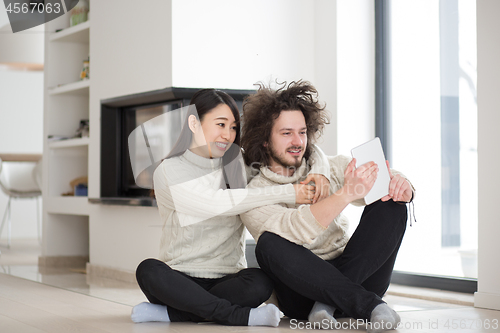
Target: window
{"type": "Point", "coordinates": [428, 108]}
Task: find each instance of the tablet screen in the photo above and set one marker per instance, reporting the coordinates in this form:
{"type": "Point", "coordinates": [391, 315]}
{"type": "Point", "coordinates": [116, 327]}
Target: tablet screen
{"type": "Point", "coordinates": [372, 151]}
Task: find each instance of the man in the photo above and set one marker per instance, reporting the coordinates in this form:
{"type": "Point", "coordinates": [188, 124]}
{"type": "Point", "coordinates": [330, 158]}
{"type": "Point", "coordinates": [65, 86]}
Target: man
{"type": "Point", "coordinates": [305, 249]}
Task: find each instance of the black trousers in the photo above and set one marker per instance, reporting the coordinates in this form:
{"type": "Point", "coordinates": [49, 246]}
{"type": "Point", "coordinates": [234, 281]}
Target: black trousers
{"type": "Point", "coordinates": [225, 300]}
{"type": "Point", "coordinates": [354, 282]}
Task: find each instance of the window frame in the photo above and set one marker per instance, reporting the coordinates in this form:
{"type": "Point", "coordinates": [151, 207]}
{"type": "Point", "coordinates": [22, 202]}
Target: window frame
{"type": "Point", "coordinates": [383, 129]}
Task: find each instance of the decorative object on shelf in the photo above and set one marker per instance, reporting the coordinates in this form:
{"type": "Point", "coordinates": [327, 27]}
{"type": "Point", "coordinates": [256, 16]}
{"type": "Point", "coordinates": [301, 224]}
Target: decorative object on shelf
{"type": "Point", "coordinates": [83, 129]}
{"type": "Point", "coordinates": [79, 13]}
{"type": "Point", "coordinates": [79, 186]}
{"type": "Point", "coordinates": [81, 190]}
{"type": "Point", "coordinates": [57, 137]}
{"type": "Point", "coordinates": [81, 132]}
{"type": "Point", "coordinates": [84, 75]}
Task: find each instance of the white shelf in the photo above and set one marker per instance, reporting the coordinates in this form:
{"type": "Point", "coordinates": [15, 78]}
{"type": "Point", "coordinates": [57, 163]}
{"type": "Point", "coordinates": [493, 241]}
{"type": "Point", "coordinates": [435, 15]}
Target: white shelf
{"type": "Point", "coordinates": [75, 88]}
{"type": "Point", "coordinates": [66, 103]}
{"type": "Point", "coordinates": [67, 205]}
{"type": "Point", "coordinates": [76, 34]}
{"type": "Point", "coordinates": [69, 143]}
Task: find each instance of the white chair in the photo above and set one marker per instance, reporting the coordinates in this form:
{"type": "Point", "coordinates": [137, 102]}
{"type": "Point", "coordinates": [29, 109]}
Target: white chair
{"type": "Point", "coordinates": [20, 180]}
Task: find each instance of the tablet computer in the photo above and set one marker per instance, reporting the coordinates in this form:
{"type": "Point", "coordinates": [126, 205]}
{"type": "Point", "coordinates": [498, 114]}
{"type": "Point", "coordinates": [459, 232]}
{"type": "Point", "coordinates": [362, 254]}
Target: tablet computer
{"type": "Point", "coordinates": [372, 151]}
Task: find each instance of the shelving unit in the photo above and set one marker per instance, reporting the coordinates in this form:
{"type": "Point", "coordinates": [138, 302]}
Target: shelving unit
{"type": "Point", "coordinates": [77, 34]}
{"type": "Point", "coordinates": [75, 88]}
{"type": "Point", "coordinates": [66, 104]}
{"type": "Point", "coordinates": [67, 205]}
{"type": "Point", "coordinates": [69, 143]}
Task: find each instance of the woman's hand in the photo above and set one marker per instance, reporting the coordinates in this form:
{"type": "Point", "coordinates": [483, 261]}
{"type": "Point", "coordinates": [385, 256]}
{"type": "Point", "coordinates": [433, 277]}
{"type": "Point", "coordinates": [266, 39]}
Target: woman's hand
{"type": "Point", "coordinates": [399, 188]}
{"type": "Point", "coordinates": [358, 182]}
{"type": "Point", "coordinates": [322, 186]}
{"type": "Point", "coordinates": [304, 194]}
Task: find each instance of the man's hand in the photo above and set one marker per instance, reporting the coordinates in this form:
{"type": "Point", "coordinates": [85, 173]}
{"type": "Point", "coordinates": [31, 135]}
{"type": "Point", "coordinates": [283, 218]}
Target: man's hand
{"type": "Point", "coordinates": [304, 194]}
{"type": "Point", "coordinates": [322, 186]}
{"type": "Point", "coordinates": [358, 182]}
{"type": "Point", "coordinates": [399, 188]}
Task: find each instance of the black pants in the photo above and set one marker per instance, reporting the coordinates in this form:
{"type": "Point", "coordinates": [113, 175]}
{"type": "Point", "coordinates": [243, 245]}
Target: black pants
{"type": "Point", "coordinates": [354, 282]}
{"type": "Point", "coordinates": [225, 300]}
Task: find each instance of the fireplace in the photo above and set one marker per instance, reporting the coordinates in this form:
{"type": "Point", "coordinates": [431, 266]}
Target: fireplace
{"type": "Point", "coordinates": [119, 117]}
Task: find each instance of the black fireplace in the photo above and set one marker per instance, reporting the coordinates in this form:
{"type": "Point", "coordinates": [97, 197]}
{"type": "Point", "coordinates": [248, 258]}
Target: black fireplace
{"type": "Point", "coordinates": [119, 117]}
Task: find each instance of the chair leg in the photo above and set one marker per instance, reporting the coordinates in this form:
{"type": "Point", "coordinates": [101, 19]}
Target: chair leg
{"type": "Point", "coordinates": [9, 228]}
{"type": "Point", "coordinates": [38, 220]}
{"type": "Point", "coordinates": [6, 215]}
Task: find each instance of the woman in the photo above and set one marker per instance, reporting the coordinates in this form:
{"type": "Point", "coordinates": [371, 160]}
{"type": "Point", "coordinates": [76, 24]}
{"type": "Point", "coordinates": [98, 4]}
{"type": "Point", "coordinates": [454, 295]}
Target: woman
{"type": "Point", "coordinates": [201, 273]}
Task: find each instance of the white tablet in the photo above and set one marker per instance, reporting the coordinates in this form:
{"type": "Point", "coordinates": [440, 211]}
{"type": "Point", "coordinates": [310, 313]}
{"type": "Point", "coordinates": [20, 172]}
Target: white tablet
{"type": "Point", "coordinates": [372, 151]}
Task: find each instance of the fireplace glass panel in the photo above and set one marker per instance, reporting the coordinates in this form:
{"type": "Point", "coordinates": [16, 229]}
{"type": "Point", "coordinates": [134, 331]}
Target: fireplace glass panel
{"type": "Point", "coordinates": [160, 138]}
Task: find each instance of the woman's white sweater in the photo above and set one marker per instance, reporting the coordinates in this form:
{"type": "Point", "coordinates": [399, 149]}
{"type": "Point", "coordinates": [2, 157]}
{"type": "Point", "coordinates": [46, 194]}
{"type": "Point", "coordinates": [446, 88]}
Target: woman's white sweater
{"type": "Point", "coordinates": [202, 234]}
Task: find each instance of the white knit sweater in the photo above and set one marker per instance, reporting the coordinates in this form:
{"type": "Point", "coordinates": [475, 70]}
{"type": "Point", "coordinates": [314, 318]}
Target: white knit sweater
{"type": "Point", "coordinates": [296, 223]}
{"type": "Point", "coordinates": [202, 234]}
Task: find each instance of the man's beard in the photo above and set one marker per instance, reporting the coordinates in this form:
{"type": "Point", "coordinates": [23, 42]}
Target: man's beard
{"type": "Point", "coordinates": [281, 160]}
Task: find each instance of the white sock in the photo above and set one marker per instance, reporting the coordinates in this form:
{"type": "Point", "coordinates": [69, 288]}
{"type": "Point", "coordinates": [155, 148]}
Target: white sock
{"type": "Point", "coordinates": [267, 315]}
{"type": "Point", "coordinates": [149, 312]}
{"type": "Point", "coordinates": [319, 313]}
{"type": "Point", "coordinates": [383, 318]}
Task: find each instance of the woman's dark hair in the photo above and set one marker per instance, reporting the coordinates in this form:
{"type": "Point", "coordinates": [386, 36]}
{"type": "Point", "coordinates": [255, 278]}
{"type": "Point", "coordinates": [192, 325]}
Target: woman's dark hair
{"type": "Point", "coordinates": [206, 100]}
{"type": "Point", "coordinates": [263, 108]}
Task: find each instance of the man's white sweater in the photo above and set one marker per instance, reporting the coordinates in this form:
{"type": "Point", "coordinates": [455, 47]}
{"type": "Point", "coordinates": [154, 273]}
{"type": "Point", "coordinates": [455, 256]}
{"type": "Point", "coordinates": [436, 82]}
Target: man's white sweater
{"type": "Point", "coordinates": [296, 223]}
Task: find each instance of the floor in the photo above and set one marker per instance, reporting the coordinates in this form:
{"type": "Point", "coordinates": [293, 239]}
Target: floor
{"type": "Point", "coordinates": [56, 301]}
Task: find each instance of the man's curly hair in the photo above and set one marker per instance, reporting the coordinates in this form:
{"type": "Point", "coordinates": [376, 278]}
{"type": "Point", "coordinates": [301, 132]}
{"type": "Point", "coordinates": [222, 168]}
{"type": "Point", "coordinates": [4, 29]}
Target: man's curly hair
{"type": "Point", "coordinates": [264, 107]}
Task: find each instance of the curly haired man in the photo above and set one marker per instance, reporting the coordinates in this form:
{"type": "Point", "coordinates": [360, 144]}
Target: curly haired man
{"type": "Point", "coordinates": [318, 270]}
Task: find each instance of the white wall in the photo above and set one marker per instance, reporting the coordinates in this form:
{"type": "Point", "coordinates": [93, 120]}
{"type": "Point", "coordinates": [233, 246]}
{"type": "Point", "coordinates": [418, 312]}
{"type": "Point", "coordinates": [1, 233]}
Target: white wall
{"type": "Point", "coordinates": [21, 131]}
{"type": "Point", "coordinates": [356, 73]}
{"type": "Point", "coordinates": [234, 44]}
{"type": "Point", "coordinates": [488, 78]}
{"type": "Point", "coordinates": [325, 68]}
{"type": "Point", "coordinates": [4, 19]}
{"type": "Point", "coordinates": [21, 111]}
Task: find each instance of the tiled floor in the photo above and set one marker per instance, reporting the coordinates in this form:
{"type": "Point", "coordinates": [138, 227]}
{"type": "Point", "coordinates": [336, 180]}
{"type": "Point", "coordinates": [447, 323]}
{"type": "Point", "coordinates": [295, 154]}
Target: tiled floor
{"type": "Point", "coordinates": [66, 301]}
